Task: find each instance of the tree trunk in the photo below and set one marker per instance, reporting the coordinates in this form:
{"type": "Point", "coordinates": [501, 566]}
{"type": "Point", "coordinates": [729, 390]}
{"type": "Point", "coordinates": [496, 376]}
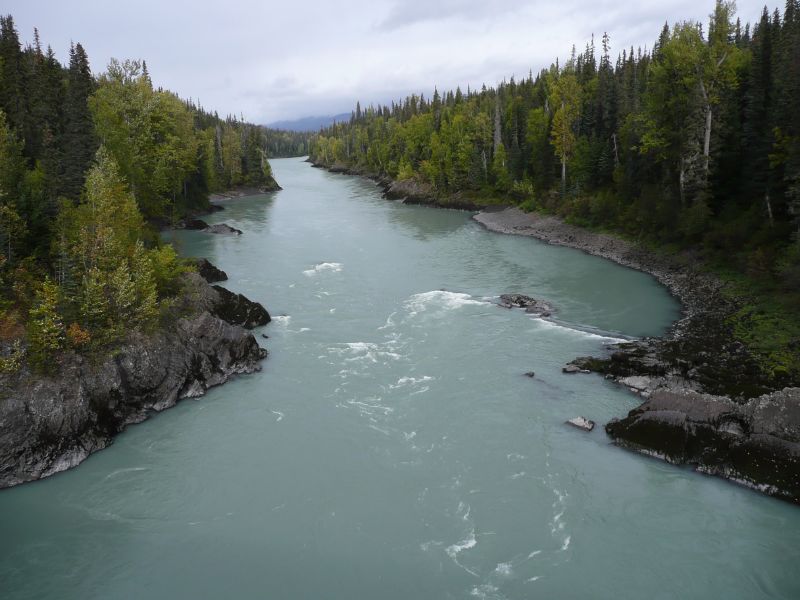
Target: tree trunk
{"type": "Point", "coordinates": [769, 209]}
{"type": "Point", "coordinates": [707, 140]}
{"type": "Point", "coordinates": [564, 177]}
{"type": "Point", "coordinates": [497, 134]}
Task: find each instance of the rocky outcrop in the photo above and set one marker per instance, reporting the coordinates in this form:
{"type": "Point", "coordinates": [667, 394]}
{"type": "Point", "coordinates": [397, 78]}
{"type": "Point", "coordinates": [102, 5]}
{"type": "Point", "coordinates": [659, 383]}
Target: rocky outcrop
{"type": "Point", "coordinates": [222, 229]}
{"type": "Point", "coordinates": [224, 304]}
{"type": "Point", "coordinates": [237, 309]}
{"type": "Point", "coordinates": [192, 224]}
{"type": "Point", "coordinates": [706, 396]}
{"type": "Point", "coordinates": [209, 272]}
{"type": "Point", "coordinates": [531, 305]}
{"type": "Point", "coordinates": [49, 424]}
{"type": "Point", "coordinates": [756, 443]}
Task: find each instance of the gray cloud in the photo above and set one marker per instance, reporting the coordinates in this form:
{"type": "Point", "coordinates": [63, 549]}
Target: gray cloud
{"type": "Point", "coordinates": [272, 60]}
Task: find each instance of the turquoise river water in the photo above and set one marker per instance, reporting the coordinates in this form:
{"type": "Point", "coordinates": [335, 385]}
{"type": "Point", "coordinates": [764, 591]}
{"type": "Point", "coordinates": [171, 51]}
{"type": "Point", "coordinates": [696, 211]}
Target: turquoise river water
{"type": "Point", "coordinates": [391, 448]}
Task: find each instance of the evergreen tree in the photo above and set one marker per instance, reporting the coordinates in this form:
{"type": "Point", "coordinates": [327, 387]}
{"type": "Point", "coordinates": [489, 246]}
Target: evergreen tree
{"type": "Point", "coordinates": [78, 143]}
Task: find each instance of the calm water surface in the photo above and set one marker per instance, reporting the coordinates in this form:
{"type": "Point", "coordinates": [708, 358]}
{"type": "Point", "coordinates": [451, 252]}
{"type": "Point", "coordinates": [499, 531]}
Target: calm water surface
{"type": "Point", "coordinates": [391, 447]}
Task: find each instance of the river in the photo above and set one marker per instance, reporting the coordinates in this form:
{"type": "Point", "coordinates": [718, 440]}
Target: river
{"type": "Point", "coordinates": [392, 448]}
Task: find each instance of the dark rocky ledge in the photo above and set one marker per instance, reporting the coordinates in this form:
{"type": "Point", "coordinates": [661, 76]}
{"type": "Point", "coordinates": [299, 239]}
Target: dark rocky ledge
{"type": "Point", "coordinates": [49, 424]}
{"type": "Point", "coordinates": [209, 272]}
{"type": "Point", "coordinates": [755, 443]}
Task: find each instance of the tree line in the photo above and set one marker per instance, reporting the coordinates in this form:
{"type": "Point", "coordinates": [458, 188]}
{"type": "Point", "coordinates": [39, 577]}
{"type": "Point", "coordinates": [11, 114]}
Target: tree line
{"type": "Point", "coordinates": [695, 142]}
{"type": "Point", "coordinates": [89, 167]}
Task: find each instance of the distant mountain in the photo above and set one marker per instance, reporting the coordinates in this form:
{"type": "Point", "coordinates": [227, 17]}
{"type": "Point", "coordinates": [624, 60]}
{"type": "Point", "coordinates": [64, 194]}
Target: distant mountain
{"type": "Point", "coordinates": [308, 123]}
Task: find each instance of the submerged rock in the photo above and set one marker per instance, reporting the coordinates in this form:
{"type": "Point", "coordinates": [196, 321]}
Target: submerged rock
{"type": "Point", "coordinates": [581, 423]}
{"type": "Point", "coordinates": [755, 443]}
{"type": "Point", "coordinates": [530, 374]}
{"type": "Point", "coordinates": [209, 272]}
{"type": "Point", "coordinates": [222, 229]}
{"type": "Point", "coordinates": [531, 305]}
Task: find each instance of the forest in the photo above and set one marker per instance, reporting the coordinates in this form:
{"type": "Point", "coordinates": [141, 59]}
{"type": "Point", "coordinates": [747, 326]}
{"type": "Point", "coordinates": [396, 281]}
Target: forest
{"type": "Point", "coordinates": [692, 147]}
{"type": "Point", "coordinates": [90, 167]}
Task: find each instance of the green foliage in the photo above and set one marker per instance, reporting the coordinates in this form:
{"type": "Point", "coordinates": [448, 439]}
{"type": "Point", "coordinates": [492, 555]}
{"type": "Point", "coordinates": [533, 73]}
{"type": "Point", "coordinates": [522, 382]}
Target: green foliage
{"type": "Point", "coordinates": [13, 361]}
{"type": "Point", "coordinates": [167, 269]}
{"type": "Point", "coordinates": [45, 327]}
{"type": "Point", "coordinates": [83, 213]}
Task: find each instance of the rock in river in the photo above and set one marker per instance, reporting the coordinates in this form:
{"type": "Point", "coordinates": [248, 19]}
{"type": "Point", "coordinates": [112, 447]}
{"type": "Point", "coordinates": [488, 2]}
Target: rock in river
{"type": "Point", "coordinates": [581, 423]}
{"type": "Point", "coordinates": [210, 272]}
{"type": "Point", "coordinates": [531, 305]}
{"type": "Point", "coordinates": [223, 229]}
{"type": "Point", "coordinates": [755, 443]}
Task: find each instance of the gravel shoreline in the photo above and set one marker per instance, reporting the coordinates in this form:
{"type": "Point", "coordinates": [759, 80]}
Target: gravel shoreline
{"type": "Point", "coordinates": [694, 290]}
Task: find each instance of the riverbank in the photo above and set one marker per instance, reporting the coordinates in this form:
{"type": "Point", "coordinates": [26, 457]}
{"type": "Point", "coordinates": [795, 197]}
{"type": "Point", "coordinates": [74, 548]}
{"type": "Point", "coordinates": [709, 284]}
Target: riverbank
{"type": "Point", "coordinates": [412, 191]}
{"type": "Point", "coordinates": [244, 191]}
{"type": "Point", "coordinates": [707, 402]}
{"type": "Point", "coordinates": [698, 363]}
{"type": "Point", "coordinates": [53, 423]}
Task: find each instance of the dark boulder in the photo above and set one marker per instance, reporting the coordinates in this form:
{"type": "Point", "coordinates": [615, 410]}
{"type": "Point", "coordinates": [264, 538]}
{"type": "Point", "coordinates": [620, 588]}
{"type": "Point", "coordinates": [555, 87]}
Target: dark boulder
{"type": "Point", "coordinates": [239, 310]}
{"type": "Point", "coordinates": [531, 305]}
{"type": "Point", "coordinates": [222, 229]}
{"type": "Point", "coordinates": [755, 443]}
{"type": "Point", "coordinates": [209, 272]}
{"type": "Point", "coordinates": [195, 224]}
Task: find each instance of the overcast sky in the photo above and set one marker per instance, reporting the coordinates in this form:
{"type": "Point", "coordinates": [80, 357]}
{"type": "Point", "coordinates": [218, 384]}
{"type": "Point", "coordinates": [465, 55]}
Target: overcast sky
{"type": "Point", "coordinates": [274, 60]}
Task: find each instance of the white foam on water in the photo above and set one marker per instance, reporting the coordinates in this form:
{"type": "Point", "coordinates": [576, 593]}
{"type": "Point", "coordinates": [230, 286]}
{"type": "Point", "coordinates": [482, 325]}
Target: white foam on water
{"type": "Point", "coordinates": [518, 475]}
{"type": "Point", "coordinates": [466, 544]}
{"type": "Point", "coordinates": [379, 430]}
{"type": "Point", "coordinates": [326, 266]}
{"type": "Point", "coordinates": [534, 553]}
{"type": "Point", "coordinates": [485, 591]}
{"type": "Point", "coordinates": [514, 457]}
{"type": "Point", "coordinates": [503, 569]}
{"type": "Point", "coordinates": [537, 578]}
{"type": "Point", "coordinates": [389, 322]}
{"type": "Point", "coordinates": [548, 324]}
{"type": "Point", "coordinates": [128, 470]}
{"type": "Point", "coordinates": [282, 320]}
{"type": "Point", "coordinates": [406, 381]}
{"type": "Point", "coordinates": [438, 299]}
{"type": "Point", "coordinates": [565, 545]}
{"type": "Point", "coordinates": [370, 409]}
{"type": "Point", "coordinates": [409, 436]}
{"type": "Point", "coordinates": [366, 351]}
{"type": "Point", "coordinates": [302, 329]}
{"type": "Point", "coordinates": [278, 414]}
